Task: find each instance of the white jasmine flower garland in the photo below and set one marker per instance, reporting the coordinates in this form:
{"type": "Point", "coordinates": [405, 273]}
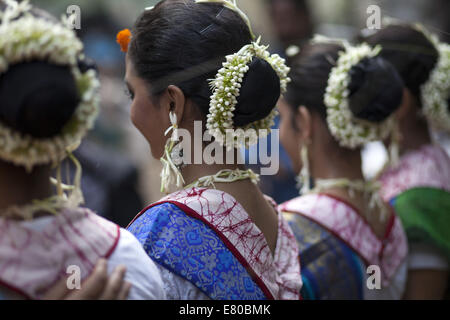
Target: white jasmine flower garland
{"type": "Point", "coordinates": [226, 89]}
{"type": "Point", "coordinates": [436, 91]}
{"type": "Point", "coordinates": [349, 131]}
{"type": "Point", "coordinates": [29, 38]}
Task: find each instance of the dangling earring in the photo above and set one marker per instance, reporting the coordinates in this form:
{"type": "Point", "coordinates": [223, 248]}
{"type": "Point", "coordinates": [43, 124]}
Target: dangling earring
{"type": "Point", "coordinates": [304, 178]}
{"type": "Point", "coordinates": [172, 158]}
{"type": "Point", "coordinates": [394, 156]}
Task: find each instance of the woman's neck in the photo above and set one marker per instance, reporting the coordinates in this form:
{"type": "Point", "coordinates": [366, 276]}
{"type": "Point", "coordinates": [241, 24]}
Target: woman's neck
{"type": "Point", "coordinates": [192, 172]}
{"type": "Point", "coordinates": [414, 133]}
{"type": "Point", "coordinates": [336, 164]}
{"type": "Point", "coordinates": [17, 187]}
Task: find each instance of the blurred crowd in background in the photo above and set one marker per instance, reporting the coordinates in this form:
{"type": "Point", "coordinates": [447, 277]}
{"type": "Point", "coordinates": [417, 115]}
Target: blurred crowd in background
{"type": "Point", "coordinates": [119, 175]}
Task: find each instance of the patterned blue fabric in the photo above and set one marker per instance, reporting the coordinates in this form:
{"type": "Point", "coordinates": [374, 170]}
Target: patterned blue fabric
{"type": "Point", "coordinates": [190, 249]}
{"type": "Point", "coordinates": [330, 269]}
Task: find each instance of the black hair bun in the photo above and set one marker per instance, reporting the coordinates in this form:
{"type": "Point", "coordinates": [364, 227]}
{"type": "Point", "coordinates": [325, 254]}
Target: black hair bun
{"type": "Point", "coordinates": [409, 51]}
{"type": "Point", "coordinates": [376, 89]}
{"type": "Point", "coordinates": [259, 93]}
{"type": "Point", "coordinates": [38, 98]}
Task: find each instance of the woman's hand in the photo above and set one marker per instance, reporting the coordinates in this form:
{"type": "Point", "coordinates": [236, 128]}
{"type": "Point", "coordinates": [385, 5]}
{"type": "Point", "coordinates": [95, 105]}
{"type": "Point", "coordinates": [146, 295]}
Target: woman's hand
{"type": "Point", "coordinates": [98, 286]}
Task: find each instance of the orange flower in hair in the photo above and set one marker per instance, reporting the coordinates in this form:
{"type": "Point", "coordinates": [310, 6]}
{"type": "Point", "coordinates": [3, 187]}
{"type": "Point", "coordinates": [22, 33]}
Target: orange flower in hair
{"type": "Point", "coordinates": [123, 38]}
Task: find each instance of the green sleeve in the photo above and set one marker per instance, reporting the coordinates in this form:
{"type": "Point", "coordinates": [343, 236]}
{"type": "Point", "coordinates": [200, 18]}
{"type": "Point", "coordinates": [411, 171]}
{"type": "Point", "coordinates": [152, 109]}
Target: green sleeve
{"type": "Point", "coordinates": [425, 214]}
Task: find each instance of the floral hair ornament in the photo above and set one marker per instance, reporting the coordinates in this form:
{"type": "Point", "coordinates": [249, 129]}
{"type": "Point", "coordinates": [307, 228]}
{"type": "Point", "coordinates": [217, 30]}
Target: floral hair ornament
{"type": "Point", "coordinates": [349, 131]}
{"type": "Point", "coordinates": [226, 89]}
{"type": "Point", "coordinates": [123, 39]}
{"type": "Point", "coordinates": [24, 37]}
{"type": "Point", "coordinates": [436, 91]}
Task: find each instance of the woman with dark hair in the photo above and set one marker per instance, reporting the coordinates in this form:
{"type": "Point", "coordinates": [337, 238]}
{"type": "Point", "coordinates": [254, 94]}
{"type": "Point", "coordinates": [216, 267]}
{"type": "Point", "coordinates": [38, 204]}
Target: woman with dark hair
{"type": "Point", "coordinates": [49, 100]}
{"type": "Point", "coordinates": [418, 185]}
{"type": "Point", "coordinates": [219, 237]}
{"type": "Point", "coordinates": [340, 98]}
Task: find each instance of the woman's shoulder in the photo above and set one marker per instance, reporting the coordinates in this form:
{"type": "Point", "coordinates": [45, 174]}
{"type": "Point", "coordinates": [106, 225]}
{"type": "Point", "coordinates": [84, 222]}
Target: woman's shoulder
{"type": "Point", "coordinates": [126, 250]}
{"type": "Point", "coordinates": [427, 167]}
{"type": "Point", "coordinates": [161, 209]}
{"type": "Point", "coordinates": [319, 219]}
{"type": "Point", "coordinates": [316, 204]}
{"type": "Point", "coordinates": [142, 272]}
{"type": "Point", "coordinates": [175, 240]}
{"type": "Point", "coordinates": [330, 267]}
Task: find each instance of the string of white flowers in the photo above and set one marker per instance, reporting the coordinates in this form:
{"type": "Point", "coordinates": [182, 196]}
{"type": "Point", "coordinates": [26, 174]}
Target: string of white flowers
{"type": "Point", "coordinates": [24, 38]}
{"type": "Point", "coordinates": [225, 176]}
{"type": "Point", "coordinates": [13, 10]}
{"type": "Point", "coordinates": [370, 190]}
{"type": "Point", "coordinates": [436, 91]}
{"type": "Point", "coordinates": [349, 131]}
{"type": "Point", "coordinates": [226, 89]}
{"type": "Point", "coordinates": [31, 38]}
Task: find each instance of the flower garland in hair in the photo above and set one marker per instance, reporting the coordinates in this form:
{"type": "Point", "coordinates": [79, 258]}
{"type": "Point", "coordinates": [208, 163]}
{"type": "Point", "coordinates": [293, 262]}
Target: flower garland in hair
{"type": "Point", "coordinates": [436, 91]}
{"type": "Point", "coordinates": [226, 89]}
{"type": "Point", "coordinates": [349, 131]}
{"type": "Point", "coordinates": [31, 38]}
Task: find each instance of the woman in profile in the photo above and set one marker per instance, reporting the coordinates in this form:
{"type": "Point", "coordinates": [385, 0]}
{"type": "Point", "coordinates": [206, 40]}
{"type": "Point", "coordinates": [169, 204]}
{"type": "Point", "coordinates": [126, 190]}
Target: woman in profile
{"type": "Point", "coordinates": [218, 237]}
{"type": "Point", "coordinates": [340, 98]}
{"type": "Point", "coordinates": [418, 185]}
{"type": "Point", "coordinates": [49, 97]}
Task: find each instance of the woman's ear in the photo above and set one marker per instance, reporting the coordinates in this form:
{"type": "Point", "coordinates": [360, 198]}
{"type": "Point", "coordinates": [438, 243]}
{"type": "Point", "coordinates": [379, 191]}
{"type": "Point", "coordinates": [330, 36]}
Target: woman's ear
{"type": "Point", "coordinates": [174, 101]}
{"type": "Point", "coordinates": [304, 123]}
